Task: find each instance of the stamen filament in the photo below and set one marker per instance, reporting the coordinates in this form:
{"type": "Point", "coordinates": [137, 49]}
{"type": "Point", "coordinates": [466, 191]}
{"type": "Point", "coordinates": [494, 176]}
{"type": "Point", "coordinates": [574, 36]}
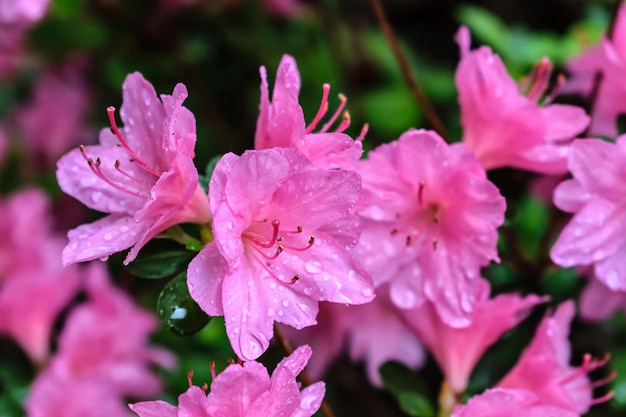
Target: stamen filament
{"type": "Point", "coordinates": [342, 103]}
{"type": "Point", "coordinates": [124, 144]}
{"type": "Point", "coordinates": [322, 109]}
{"type": "Point", "coordinates": [345, 123]}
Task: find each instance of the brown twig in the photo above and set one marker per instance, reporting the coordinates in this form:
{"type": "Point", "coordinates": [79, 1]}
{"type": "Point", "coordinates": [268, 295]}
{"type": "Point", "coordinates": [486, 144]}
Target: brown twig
{"type": "Point", "coordinates": [407, 72]}
{"type": "Point", "coordinates": [304, 377]}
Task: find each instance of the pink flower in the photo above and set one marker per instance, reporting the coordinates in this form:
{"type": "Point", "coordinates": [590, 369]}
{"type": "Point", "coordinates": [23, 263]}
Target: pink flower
{"type": "Point", "coordinates": [506, 128]}
{"type": "Point", "coordinates": [142, 174]}
{"type": "Point", "coordinates": [30, 303]}
{"type": "Point", "coordinates": [4, 142]}
{"type": "Point", "coordinates": [54, 120]}
{"type": "Point", "coordinates": [34, 287]}
{"type": "Point", "coordinates": [457, 351]}
{"type": "Point", "coordinates": [431, 218]}
{"type": "Point", "coordinates": [102, 356]}
{"type": "Point", "coordinates": [544, 367]}
{"type": "Point", "coordinates": [599, 302]}
{"type": "Point", "coordinates": [281, 122]}
{"type": "Point", "coordinates": [597, 193]}
{"type": "Point", "coordinates": [282, 230]}
{"type": "Point", "coordinates": [22, 12]}
{"type": "Point", "coordinates": [353, 327]}
{"type": "Point", "coordinates": [499, 402]}
{"type": "Point", "coordinates": [609, 59]}
{"type": "Point", "coordinates": [246, 390]}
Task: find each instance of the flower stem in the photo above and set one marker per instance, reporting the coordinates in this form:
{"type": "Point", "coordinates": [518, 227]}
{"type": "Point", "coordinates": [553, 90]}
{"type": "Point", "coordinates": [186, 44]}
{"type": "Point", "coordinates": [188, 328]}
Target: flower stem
{"type": "Point", "coordinates": [408, 74]}
{"type": "Point", "coordinates": [304, 377]}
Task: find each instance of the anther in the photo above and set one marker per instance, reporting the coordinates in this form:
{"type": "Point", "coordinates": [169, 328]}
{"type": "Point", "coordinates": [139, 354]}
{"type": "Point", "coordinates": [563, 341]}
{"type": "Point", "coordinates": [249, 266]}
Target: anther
{"type": "Point", "coordinates": [342, 104]}
{"type": "Point", "coordinates": [190, 377]}
{"type": "Point", "coordinates": [295, 279]}
{"type": "Point", "coordinates": [212, 366]}
{"type": "Point", "coordinates": [364, 130]}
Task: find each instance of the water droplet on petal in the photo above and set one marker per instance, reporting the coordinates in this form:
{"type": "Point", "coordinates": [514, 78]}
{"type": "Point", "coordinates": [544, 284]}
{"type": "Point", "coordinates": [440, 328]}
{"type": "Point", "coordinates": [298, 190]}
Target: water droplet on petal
{"type": "Point", "coordinates": [285, 303]}
{"type": "Point", "coordinates": [313, 267]}
{"type": "Point", "coordinates": [108, 237]}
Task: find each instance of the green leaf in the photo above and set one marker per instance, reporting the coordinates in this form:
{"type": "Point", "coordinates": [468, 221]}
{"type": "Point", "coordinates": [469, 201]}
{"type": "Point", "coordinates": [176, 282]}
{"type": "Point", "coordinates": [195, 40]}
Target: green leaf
{"type": "Point", "coordinates": [160, 264]}
{"type": "Point", "coordinates": [178, 311]}
{"type": "Point", "coordinates": [208, 171]}
{"type": "Point", "coordinates": [415, 404]}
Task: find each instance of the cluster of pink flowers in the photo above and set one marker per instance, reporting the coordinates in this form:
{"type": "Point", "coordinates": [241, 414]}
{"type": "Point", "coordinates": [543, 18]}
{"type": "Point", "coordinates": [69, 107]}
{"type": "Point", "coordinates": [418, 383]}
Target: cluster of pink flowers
{"type": "Point", "coordinates": [246, 390]}
{"type": "Point", "coordinates": [393, 244]}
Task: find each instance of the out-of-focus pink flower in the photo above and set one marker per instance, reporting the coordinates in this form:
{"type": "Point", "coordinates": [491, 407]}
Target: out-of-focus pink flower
{"type": "Point", "coordinates": [285, 8]}
{"type": "Point", "coordinates": [509, 403]}
{"type": "Point", "coordinates": [599, 302]}
{"type": "Point", "coordinates": [281, 122]}
{"type": "Point", "coordinates": [16, 17]}
{"type": "Point", "coordinates": [30, 302]}
{"type": "Point", "coordinates": [34, 287]}
{"type": "Point", "coordinates": [353, 327]}
{"type": "Point", "coordinates": [22, 12]}
{"type": "Point", "coordinates": [608, 59]}
{"type": "Point", "coordinates": [283, 231]}
{"type": "Point", "coordinates": [247, 390]}
{"type": "Point", "coordinates": [597, 193]}
{"type": "Point", "coordinates": [506, 128]}
{"type": "Point", "coordinates": [53, 122]}
{"type": "Point", "coordinates": [431, 218]}
{"type": "Point", "coordinates": [544, 366]}
{"type": "Point", "coordinates": [142, 174]}
{"type": "Point", "coordinates": [103, 349]}
{"type": "Point", "coordinates": [458, 350]}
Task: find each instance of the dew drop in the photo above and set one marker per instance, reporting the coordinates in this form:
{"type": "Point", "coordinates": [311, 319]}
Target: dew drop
{"type": "Point", "coordinates": [96, 196]}
{"type": "Point", "coordinates": [367, 292]}
{"type": "Point", "coordinates": [108, 236]}
{"type": "Point", "coordinates": [285, 303]}
{"type": "Point", "coordinates": [334, 256]}
{"type": "Point", "coordinates": [280, 313]}
{"type": "Point", "coordinates": [313, 267]}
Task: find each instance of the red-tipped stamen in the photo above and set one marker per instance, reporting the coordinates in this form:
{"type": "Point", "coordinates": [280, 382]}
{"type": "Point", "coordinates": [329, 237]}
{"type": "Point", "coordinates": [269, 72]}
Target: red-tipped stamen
{"type": "Point", "coordinates": [308, 246]}
{"type": "Point", "coordinates": [542, 80]}
{"type": "Point", "coordinates": [560, 82]}
{"type": "Point", "coordinates": [95, 168]}
{"type": "Point", "coordinates": [364, 130]}
{"type": "Point", "coordinates": [212, 366]}
{"type": "Point", "coordinates": [342, 103]}
{"type": "Point", "coordinates": [606, 397]}
{"type": "Point", "coordinates": [124, 144]}
{"type": "Point", "coordinates": [604, 381]}
{"type": "Point", "coordinates": [322, 110]}
{"type": "Point", "coordinates": [127, 175]}
{"type": "Point", "coordinates": [190, 378]}
{"type": "Point", "coordinates": [269, 271]}
{"type": "Point", "coordinates": [345, 122]}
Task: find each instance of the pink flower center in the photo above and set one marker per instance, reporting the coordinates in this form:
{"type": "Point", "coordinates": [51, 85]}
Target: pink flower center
{"type": "Point", "coordinates": [535, 86]}
{"type": "Point", "coordinates": [423, 222]}
{"type": "Point", "coordinates": [265, 243]}
{"type": "Point", "coordinates": [121, 179]}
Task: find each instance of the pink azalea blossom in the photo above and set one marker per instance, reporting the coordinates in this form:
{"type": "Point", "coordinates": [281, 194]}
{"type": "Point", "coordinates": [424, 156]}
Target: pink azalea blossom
{"type": "Point", "coordinates": [352, 327]}
{"type": "Point", "coordinates": [30, 303]}
{"type": "Point", "coordinates": [247, 390]}
{"type": "Point", "coordinates": [608, 59]}
{"type": "Point", "coordinates": [23, 12]}
{"type": "Point", "coordinates": [499, 402]}
{"type": "Point", "coordinates": [102, 352]}
{"type": "Point", "coordinates": [599, 302]}
{"type": "Point", "coordinates": [431, 218]}
{"type": "Point", "coordinates": [281, 122]}
{"type": "Point", "coordinates": [34, 287]}
{"type": "Point", "coordinates": [54, 121]}
{"type": "Point", "coordinates": [457, 351]}
{"type": "Point", "coordinates": [596, 234]}
{"type": "Point", "coordinates": [142, 174]}
{"type": "Point", "coordinates": [283, 231]}
{"type": "Point", "coordinates": [544, 367]}
{"type": "Point", "coordinates": [506, 128]}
